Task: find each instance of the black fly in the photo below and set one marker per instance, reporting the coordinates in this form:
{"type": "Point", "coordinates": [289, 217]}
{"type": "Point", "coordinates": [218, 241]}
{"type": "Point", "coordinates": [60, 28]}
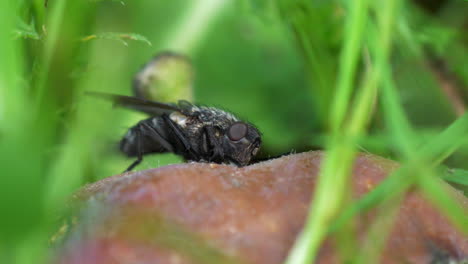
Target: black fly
{"type": "Point", "coordinates": [197, 133]}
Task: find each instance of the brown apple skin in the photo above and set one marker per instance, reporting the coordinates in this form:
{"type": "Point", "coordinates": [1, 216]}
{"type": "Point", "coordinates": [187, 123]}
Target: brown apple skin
{"type": "Point", "coordinates": [242, 215]}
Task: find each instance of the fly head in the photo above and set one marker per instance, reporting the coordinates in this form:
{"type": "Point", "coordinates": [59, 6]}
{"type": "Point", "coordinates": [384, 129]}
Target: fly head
{"type": "Point", "coordinates": [241, 143]}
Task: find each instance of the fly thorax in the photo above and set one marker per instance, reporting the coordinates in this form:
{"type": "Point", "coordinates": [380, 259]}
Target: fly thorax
{"type": "Point", "coordinates": [216, 117]}
{"type": "Point", "coordinates": [179, 118]}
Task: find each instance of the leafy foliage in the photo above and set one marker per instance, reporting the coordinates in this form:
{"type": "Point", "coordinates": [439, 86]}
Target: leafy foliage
{"type": "Point", "coordinates": [385, 77]}
{"type": "Point", "coordinates": [118, 36]}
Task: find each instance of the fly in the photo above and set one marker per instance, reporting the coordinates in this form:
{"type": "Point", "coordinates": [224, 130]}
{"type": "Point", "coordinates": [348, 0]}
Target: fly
{"type": "Point", "coordinates": [197, 133]}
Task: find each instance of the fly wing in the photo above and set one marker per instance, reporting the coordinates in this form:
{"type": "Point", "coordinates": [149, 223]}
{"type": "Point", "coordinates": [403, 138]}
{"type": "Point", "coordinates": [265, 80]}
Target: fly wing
{"type": "Point", "coordinates": [186, 107]}
{"type": "Point", "coordinates": [142, 105]}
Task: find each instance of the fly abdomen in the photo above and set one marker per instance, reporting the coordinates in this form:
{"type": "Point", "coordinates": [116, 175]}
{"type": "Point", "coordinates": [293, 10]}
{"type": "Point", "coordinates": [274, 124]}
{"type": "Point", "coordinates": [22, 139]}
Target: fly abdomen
{"type": "Point", "coordinates": [148, 136]}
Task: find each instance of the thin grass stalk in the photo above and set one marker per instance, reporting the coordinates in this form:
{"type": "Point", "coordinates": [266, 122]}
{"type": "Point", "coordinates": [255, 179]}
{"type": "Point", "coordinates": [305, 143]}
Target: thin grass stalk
{"type": "Point", "coordinates": [302, 16]}
{"type": "Point", "coordinates": [397, 181]}
{"type": "Point", "coordinates": [441, 147]}
{"type": "Point", "coordinates": [378, 231]}
{"type": "Point", "coordinates": [11, 73]}
{"type": "Point", "coordinates": [354, 29]}
{"type": "Point", "coordinates": [193, 25]}
{"type": "Point", "coordinates": [435, 151]}
{"type": "Point", "coordinates": [54, 23]}
{"type": "Point", "coordinates": [321, 78]}
{"type": "Point", "coordinates": [337, 164]}
{"type": "Point", "coordinates": [380, 48]}
{"type": "Point", "coordinates": [361, 117]}
{"type": "Point", "coordinates": [90, 122]}
{"type": "Point", "coordinates": [423, 168]}
{"type": "Point", "coordinates": [399, 128]}
{"type": "Point", "coordinates": [438, 193]}
{"type": "Point", "coordinates": [21, 182]}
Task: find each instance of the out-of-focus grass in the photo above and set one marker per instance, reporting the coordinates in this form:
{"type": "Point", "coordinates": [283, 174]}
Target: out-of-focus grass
{"type": "Point", "coordinates": [334, 173]}
{"type": "Point", "coordinates": [338, 163]}
{"type": "Point", "coordinates": [341, 75]}
{"type": "Point", "coordinates": [21, 183]}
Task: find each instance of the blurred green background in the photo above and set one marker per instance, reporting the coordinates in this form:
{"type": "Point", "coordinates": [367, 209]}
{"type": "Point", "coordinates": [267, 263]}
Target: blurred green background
{"type": "Point", "coordinates": [274, 63]}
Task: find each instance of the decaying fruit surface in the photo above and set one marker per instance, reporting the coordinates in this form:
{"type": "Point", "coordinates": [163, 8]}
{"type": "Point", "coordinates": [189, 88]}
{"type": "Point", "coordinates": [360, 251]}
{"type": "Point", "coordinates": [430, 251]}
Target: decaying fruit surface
{"type": "Point", "coordinates": [206, 213]}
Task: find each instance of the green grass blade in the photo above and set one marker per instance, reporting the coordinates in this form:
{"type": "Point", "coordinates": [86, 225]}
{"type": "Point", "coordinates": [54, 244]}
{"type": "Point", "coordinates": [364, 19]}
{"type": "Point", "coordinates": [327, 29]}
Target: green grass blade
{"type": "Point", "coordinates": [337, 164]}
{"type": "Point", "coordinates": [120, 37]}
{"type": "Point", "coordinates": [443, 197]}
{"type": "Point", "coordinates": [457, 176]}
{"type": "Point", "coordinates": [354, 29]}
{"type": "Point", "coordinates": [399, 181]}
{"type": "Point", "coordinates": [21, 178]}
{"type": "Point", "coordinates": [442, 146]}
{"type": "Point", "coordinates": [54, 23]}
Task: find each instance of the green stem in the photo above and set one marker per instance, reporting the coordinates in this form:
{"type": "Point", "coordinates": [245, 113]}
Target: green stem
{"type": "Point", "coordinates": [348, 61]}
{"type": "Point", "coordinates": [54, 23]}
{"type": "Point", "coordinates": [338, 162]}
{"type": "Point", "coordinates": [193, 25]}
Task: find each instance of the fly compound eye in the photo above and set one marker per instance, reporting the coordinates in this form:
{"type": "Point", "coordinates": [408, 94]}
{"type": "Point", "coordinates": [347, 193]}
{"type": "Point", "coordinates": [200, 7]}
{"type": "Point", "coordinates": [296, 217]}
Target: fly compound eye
{"type": "Point", "coordinates": [237, 131]}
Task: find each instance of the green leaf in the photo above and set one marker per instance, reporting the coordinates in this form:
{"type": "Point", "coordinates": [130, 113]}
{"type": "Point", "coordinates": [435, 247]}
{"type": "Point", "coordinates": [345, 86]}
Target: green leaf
{"type": "Point", "coordinates": [25, 30]}
{"type": "Point", "coordinates": [121, 37]}
{"type": "Point", "coordinates": [118, 1]}
{"type": "Point", "coordinates": [457, 176]}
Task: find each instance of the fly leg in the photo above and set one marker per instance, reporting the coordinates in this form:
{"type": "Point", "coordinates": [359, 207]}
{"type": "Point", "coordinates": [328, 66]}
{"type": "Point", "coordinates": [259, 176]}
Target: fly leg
{"type": "Point", "coordinates": [216, 148]}
{"type": "Point", "coordinates": [182, 138]}
{"type": "Point", "coordinates": [139, 155]}
{"type": "Point", "coordinates": [156, 136]}
{"type": "Point", "coordinates": [145, 129]}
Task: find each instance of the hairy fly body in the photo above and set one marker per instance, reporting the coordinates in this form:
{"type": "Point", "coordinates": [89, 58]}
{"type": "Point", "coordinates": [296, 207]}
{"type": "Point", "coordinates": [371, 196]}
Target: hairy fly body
{"type": "Point", "coordinates": [197, 133]}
